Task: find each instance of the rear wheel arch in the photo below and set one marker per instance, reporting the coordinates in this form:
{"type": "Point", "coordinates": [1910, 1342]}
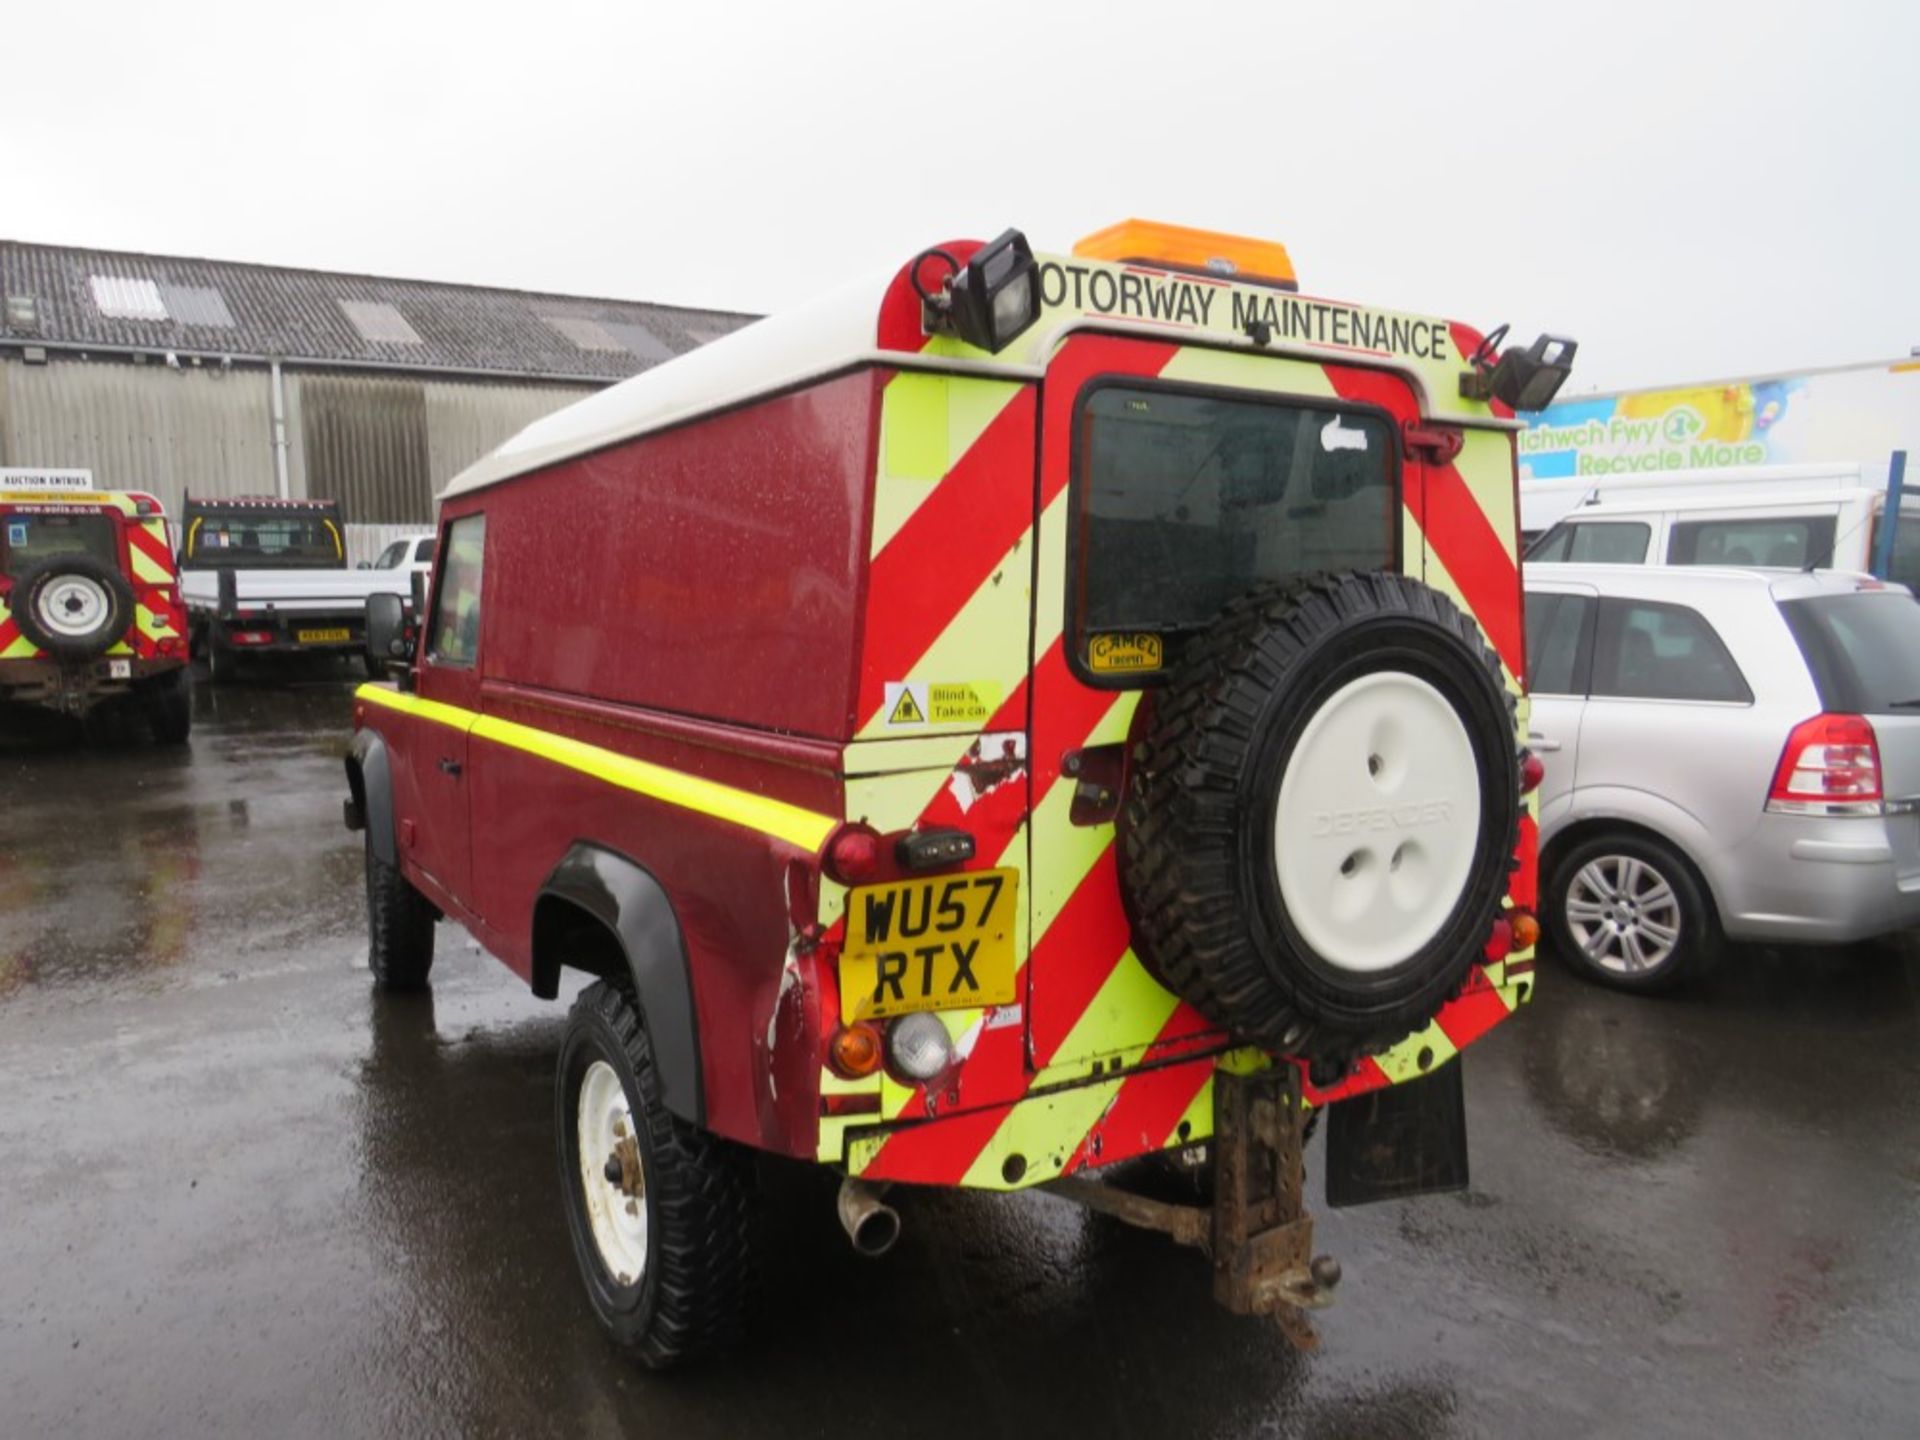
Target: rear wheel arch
{"type": "Point", "coordinates": [1592, 827]}
{"type": "Point", "coordinates": [607, 915]}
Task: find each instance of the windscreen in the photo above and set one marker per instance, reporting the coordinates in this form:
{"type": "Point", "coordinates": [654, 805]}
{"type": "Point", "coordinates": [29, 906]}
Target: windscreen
{"type": "Point", "coordinates": [29, 537]}
{"type": "Point", "coordinates": [262, 537]}
{"type": "Point", "coordinates": [1187, 500]}
{"type": "Point", "coordinates": [1863, 649]}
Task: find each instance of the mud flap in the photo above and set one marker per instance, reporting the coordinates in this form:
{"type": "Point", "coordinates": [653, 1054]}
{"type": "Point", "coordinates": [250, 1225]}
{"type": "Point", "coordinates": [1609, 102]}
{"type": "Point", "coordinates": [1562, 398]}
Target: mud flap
{"type": "Point", "coordinates": [1401, 1141]}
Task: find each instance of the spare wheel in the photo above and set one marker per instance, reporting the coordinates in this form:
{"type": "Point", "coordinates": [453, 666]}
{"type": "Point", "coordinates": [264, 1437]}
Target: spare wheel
{"type": "Point", "coordinates": [72, 606]}
{"type": "Point", "coordinates": [1323, 813]}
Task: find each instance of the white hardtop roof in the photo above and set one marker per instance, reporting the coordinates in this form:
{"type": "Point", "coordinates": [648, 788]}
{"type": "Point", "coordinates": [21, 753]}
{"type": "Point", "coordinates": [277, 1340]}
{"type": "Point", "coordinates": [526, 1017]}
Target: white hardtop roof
{"type": "Point", "coordinates": [1730, 498]}
{"type": "Point", "coordinates": [1658, 581]}
{"type": "Point", "coordinates": [1838, 475]}
{"type": "Point", "coordinates": [840, 330]}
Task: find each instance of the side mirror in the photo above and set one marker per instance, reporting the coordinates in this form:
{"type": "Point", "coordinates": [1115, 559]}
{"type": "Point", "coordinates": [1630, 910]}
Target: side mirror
{"type": "Point", "coordinates": [388, 633]}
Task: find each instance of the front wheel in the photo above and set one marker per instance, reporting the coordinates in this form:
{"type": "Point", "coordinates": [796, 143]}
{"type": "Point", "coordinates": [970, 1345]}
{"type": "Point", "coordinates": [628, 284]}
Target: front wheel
{"type": "Point", "coordinates": [660, 1212]}
{"type": "Point", "coordinates": [399, 928]}
{"type": "Point", "coordinates": [1627, 911]}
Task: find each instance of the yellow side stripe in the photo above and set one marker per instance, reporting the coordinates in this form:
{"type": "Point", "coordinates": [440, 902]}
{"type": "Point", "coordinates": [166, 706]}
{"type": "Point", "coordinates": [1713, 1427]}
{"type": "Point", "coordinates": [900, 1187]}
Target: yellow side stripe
{"type": "Point", "coordinates": [798, 827]}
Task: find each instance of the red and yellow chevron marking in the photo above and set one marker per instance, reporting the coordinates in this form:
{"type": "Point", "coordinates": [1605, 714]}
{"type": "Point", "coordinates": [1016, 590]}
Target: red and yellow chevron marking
{"type": "Point", "coordinates": [158, 614]}
{"type": "Point", "coordinates": [1099, 1061]}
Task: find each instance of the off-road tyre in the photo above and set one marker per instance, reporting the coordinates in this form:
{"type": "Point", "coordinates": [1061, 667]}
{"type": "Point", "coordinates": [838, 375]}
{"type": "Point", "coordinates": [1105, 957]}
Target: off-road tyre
{"type": "Point", "coordinates": [168, 702]}
{"type": "Point", "coordinates": [694, 1292]}
{"type": "Point", "coordinates": [399, 928]}
{"type": "Point", "coordinates": [1697, 931]}
{"type": "Point", "coordinates": [116, 616]}
{"type": "Point", "coordinates": [1199, 856]}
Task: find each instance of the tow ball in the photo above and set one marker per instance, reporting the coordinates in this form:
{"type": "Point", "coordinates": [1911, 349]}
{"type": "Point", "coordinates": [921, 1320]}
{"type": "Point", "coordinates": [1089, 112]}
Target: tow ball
{"type": "Point", "coordinates": [1257, 1231]}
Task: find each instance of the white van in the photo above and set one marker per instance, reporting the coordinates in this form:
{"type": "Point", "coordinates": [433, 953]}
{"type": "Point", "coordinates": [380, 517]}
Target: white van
{"type": "Point", "coordinates": [1827, 520]}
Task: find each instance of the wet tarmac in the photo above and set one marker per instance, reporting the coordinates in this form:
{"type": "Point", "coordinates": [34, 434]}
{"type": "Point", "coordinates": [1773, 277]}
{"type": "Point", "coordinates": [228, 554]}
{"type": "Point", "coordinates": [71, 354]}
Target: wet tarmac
{"type": "Point", "coordinates": [240, 1196]}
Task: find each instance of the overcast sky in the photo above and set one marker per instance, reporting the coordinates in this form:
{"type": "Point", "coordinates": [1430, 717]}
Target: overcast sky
{"type": "Point", "coordinates": [1690, 190]}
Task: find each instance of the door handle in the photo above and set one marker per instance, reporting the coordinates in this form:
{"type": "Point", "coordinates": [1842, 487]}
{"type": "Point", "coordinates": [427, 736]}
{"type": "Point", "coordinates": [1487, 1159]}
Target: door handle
{"type": "Point", "coordinates": [1541, 743]}
{"type": "Point", "coordinates": [449, 765]}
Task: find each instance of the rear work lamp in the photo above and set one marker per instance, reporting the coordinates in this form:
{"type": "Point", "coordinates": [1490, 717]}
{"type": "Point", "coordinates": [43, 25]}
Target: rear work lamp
{"type": "Point", "coordinates": [1521, 379]}
{"type": "Point", "coordinates": [992, 298]}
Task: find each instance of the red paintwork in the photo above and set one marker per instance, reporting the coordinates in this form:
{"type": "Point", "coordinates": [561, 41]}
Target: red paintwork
{"type": "Point", "coordinates": [703, 599]}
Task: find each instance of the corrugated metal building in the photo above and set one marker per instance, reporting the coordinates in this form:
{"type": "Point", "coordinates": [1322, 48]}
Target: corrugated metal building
{"type": "Point", "coordinates": [171, 375]}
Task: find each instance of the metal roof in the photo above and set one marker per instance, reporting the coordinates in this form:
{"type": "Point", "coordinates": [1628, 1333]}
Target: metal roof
{"type": "Point", "coordinates": [117, 300]}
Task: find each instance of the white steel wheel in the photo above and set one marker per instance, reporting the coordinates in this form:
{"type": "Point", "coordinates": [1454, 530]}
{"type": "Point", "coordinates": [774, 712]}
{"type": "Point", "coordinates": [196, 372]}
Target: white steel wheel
{"type": "Point", "coordinates": [613, 1180]}
{"type": "Point", "coordinates": [1378, 820]}
{"type": "Point", "coordinates": [1623, 915]}
{"type": "Point", "coordinates": [73, 607]}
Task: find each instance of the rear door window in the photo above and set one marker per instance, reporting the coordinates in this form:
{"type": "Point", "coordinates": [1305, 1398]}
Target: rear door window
{"type": "Point", "coordinates": [1595, 542]}
{"type": "Point", "coordinates": [1186, 499]}
{"type": "Point", "coordinates": [1559, 643]}
{"type": "Point", "coordinates": [1863, 649]}
{"type": "Point", "coordinates": [27, 538]}
{"type": "Point", "coordinates": [1786, 542]}
{"type": "Point", "coordinates": [1647, 650]}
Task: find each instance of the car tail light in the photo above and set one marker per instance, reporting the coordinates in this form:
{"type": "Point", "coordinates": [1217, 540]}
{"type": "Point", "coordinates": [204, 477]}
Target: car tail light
{"type": "Point", "coordinates": [853, 855]}
{"type": "Point", "coordinates": [1831, 766]}
{"type": "Point", "coordinates": [250, 637]}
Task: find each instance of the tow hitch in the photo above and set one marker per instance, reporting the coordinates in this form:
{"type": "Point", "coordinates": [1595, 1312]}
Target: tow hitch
{"type": "Point", "coordinates": [1257, 1230]}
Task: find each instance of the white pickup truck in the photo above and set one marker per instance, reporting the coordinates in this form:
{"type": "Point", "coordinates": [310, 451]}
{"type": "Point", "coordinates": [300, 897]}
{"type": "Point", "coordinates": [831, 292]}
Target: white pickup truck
{"type": "Point", "coordinates": [265, 576]}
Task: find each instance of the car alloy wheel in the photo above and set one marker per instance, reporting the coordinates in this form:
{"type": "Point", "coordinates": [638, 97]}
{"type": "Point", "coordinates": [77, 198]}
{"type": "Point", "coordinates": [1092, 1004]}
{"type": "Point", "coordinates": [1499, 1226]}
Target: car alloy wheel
{"type": "Point", "coordinates": [1624, 915]}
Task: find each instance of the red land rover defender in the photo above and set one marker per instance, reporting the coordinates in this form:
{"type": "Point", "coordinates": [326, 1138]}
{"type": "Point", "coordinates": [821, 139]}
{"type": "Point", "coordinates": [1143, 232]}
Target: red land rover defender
{"type": "Point", "coordinates": [1024, 721]}
{"type": "Point", "coordinates": [90, 611]}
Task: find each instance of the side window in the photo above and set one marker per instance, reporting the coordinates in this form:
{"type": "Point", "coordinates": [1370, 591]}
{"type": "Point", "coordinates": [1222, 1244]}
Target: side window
{"type": "Point", "coordinates": [1788, 542]}
{"type": "Point", "coordinates": [455, 638]}
{"type": "Point", "coordinates": [1552, 546]}
{"type": "Point", "coordinates": [1622, 542]}
{"type": "Point", "coordinates": [1556, 633]}
{"type": "Point", "coordinates": [1649, 651]}
{"type": "Point", "coordinates": [1905, 566]}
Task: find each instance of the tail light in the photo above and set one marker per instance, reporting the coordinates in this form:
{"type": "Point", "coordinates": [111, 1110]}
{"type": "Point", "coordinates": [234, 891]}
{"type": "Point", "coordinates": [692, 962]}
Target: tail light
{"type": "Point", "coordinates": [1831, 766]}
{"type": "Point", "coordinates": [856, 1050]}
{"type": "Point", "coordinates": [852, 855]}
{"type": "Point", "coordinates": [1532, 771]}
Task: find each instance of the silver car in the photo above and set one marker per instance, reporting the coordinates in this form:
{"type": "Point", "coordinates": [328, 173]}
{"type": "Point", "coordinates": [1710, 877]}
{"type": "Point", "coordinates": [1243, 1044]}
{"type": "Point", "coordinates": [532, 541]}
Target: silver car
{"type": "Point", "coordinates": [1729, 753]}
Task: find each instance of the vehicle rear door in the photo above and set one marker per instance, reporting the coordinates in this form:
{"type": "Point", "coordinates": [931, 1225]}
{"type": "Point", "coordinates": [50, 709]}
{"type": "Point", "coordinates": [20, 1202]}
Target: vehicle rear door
{"type": "Point", "coordinates": [1864, 651]}
{"type": "Point", "coordinates": [449, 680]}
{"type": "Point", "coordinates": [1171, 479]}
{"type": "Point", "coordinates": [1560, 623]}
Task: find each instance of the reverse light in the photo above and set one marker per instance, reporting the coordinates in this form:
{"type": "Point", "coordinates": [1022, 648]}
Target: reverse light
{"type": "Point", "coordinates": [919, 1045]}
{"type": "Point", "coordinates": [1830, 766]}
{"type": "Point", "coordinates": [853, 854]}
{"type": "Point", "coordinates": [856, 1051]}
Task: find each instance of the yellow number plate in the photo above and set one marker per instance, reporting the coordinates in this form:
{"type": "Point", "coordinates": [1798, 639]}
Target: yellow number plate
{"type": "Point", "coordinates": [322, 637]}
{"type": "Point", "coordinates": [939, 944]}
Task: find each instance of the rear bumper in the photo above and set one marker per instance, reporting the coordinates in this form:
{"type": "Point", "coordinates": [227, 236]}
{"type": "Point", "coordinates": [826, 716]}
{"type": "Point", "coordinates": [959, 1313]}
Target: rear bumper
{"type": "Point", "coordinates": [280, 634]}
{"type": "Point", "coordinates": [1123, 1115]}
{"type": "Point", "coordinates": [1811, 880]}
{"type": "Point", "coordinates": [73, 687]}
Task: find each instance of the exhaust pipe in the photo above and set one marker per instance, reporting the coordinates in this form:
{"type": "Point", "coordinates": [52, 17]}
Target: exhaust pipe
{"type": "Point", "coordinates": [871, 1223]}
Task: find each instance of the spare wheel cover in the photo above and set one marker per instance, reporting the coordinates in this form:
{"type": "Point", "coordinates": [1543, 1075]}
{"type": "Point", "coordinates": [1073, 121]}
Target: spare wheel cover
{"type": "Point", "coordinates": [1377, 821]}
